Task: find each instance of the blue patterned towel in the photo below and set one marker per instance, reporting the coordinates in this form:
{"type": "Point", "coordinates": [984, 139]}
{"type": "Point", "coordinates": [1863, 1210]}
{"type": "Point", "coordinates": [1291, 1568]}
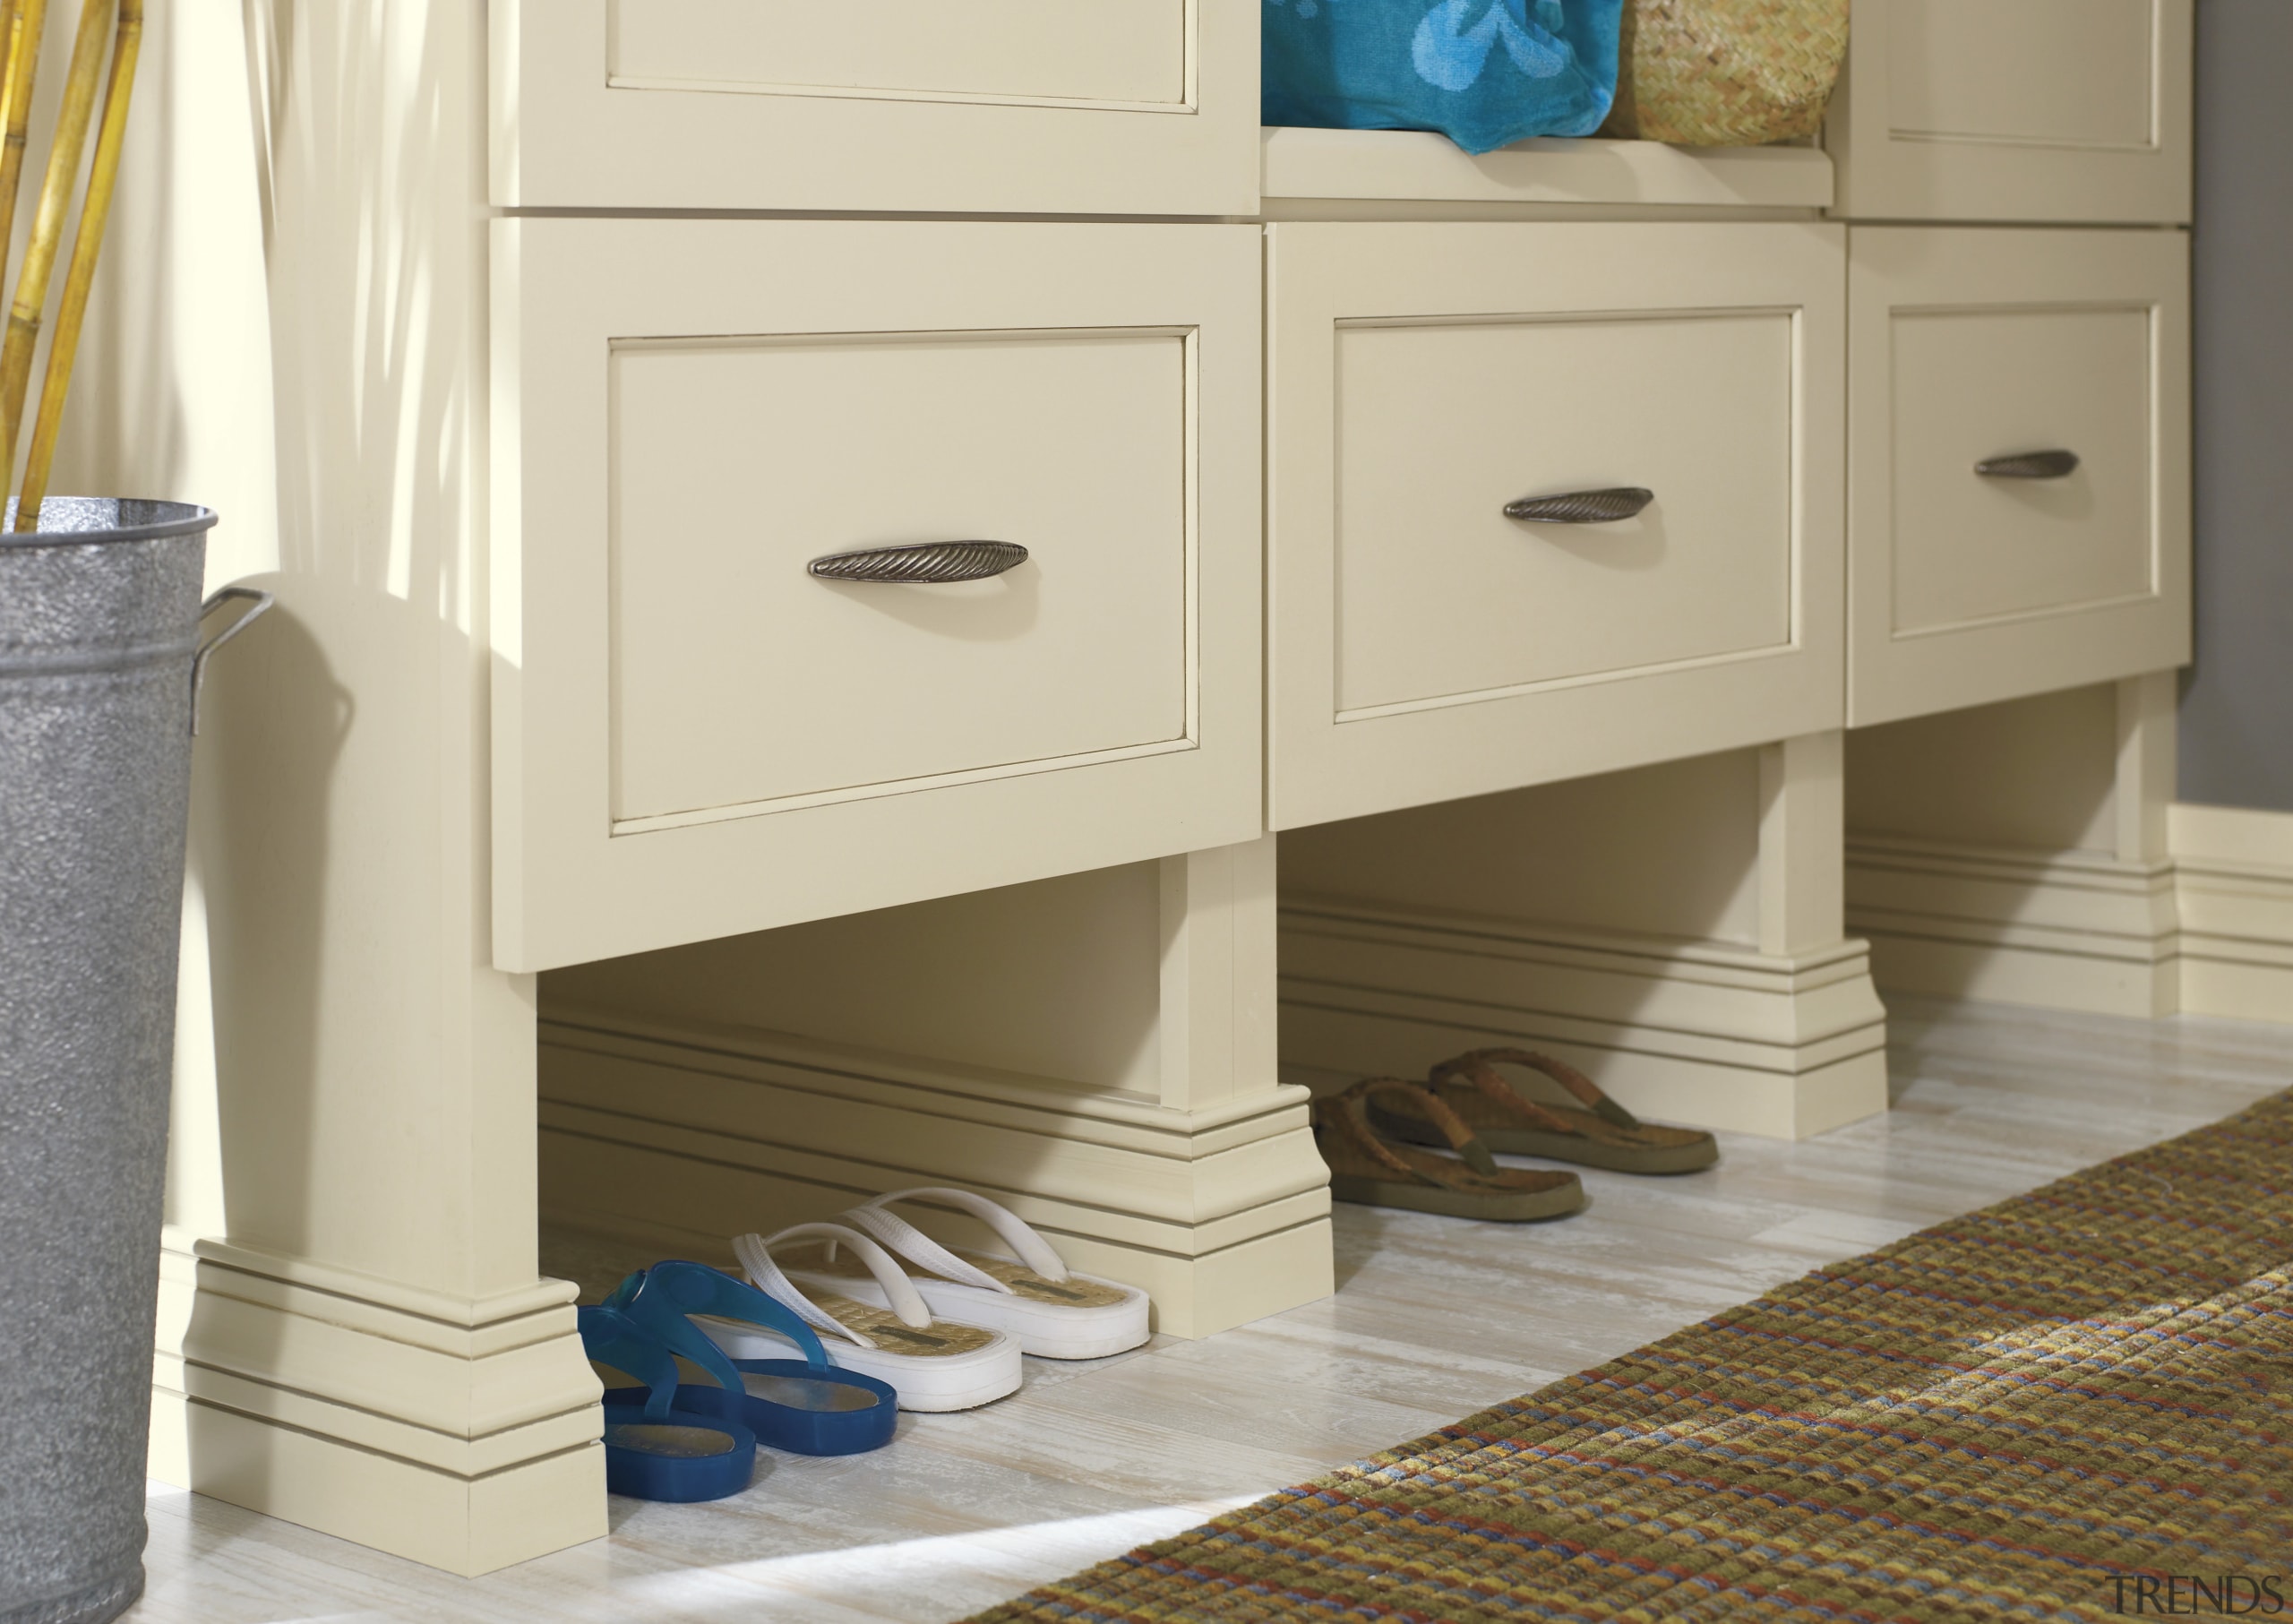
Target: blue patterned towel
{"type": "Point", "coordinates": [1484, 72]}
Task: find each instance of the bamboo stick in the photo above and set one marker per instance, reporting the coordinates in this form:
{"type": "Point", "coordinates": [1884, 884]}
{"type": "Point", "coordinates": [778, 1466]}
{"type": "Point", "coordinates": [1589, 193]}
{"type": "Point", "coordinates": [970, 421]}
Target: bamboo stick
{"type": "Point", "coordinates": [26, 20]}
{"type": "Point", "coordinates": [47, 227]}
{"type": "Point", "coordinates": [12, 39]}
{"type": "Point", "coordinates": [16, 114]}
{"type": "Point", "coordinates": [95, 212]}
{"type": "Point", "coordinates": [12, 151]}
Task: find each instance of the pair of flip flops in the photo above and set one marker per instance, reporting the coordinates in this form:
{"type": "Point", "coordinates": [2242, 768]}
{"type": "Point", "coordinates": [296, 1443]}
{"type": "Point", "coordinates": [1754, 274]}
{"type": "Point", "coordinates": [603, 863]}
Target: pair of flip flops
{"type": "Point", "coordinates": [945, 1325]}
{"type": "Point", "coordinates": [1369, 1135]}
{"type": "Point", "coordinates": [670, 1439]}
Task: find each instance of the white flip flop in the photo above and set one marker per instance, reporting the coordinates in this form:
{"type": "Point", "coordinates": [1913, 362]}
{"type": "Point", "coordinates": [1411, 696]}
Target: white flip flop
{"type": "Point", "coordinates": [1054, 1313]}
{"type": "Point", "coordinates": [933, 1364]}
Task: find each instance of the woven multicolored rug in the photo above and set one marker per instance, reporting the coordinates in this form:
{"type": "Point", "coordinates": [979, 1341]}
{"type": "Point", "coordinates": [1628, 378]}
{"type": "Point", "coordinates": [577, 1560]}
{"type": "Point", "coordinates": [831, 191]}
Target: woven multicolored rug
{"type": "Point", "coordinates": [2075, 1405]}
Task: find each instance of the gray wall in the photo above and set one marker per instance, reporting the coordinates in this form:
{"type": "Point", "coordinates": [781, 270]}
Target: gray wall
{"type": "Point", "coordinates": [2237, 713]}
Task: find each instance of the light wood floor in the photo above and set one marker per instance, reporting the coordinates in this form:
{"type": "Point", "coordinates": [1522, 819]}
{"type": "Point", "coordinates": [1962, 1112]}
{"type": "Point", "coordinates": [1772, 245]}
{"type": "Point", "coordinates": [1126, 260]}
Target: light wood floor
{"type": "Point", "coordinates": [1433, 1318]}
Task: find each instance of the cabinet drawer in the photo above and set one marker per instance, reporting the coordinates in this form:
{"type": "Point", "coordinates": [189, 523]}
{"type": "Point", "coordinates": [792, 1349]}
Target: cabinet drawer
{"type": "Point", "coordinates": [698, 734]}
{"type": "Point", "coordinates": [1427, 645]}
{"type": "Point", "coordinates": [2032, 110]}
{"type": "Point", "coordinates": [1970, 350]}
{"type": "Point", "coordinates": [1146, 107]}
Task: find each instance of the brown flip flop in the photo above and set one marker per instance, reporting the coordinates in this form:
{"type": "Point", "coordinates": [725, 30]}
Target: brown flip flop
{"type": "Point", "coordinates": [1366, 1167]}
{"type": "Point", "coordinates": [1602, 1135]}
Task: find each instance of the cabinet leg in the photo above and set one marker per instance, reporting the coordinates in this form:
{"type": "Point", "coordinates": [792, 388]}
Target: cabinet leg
{"type": "Point", "coordinates": [354, 1334]}
{"type": "Point", "coordinates": [1802, 894]}
{"type": "Point", "coordinates": [2143, 785]}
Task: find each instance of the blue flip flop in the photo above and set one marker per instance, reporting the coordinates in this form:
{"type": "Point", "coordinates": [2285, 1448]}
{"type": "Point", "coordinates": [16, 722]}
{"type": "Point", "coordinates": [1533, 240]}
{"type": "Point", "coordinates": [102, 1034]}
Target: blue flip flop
{"type": "Point", "coordinates": [655, 1450]}
{"type": "Point", "coordinates": [806, 1407]}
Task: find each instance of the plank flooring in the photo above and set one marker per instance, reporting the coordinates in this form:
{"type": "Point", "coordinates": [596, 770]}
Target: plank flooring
{"type": "Point", "coordinates": [1433, 1318]}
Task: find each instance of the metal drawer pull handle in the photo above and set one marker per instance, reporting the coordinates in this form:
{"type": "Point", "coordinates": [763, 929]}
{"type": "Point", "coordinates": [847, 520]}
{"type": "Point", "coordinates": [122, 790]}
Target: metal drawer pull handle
{"type": "Point", "coordinates": [925, 560]}
{"type": "Point", "coordinates": [1582, 507]}
{"type": "Point", "coordinates": [2029, 464]}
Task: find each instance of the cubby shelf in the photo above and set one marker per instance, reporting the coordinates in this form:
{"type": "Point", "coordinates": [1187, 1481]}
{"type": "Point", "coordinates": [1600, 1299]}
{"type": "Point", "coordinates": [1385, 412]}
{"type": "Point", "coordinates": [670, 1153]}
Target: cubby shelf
{"type": "Point", "coordinates": [1407, 165]}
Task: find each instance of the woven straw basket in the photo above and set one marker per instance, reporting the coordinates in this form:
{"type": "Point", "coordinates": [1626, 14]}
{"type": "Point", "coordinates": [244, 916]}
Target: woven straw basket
{"type": "Point", "coordinates": [1727, 72]}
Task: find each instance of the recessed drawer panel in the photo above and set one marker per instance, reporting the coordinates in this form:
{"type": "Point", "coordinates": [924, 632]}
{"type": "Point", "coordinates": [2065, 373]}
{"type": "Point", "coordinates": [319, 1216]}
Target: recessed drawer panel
{"type": "Point", "coordinates": [2035, 109]}
{"type": "Point", "coordinates": [737, 461]}
{"type": "Point", "coordinates": [715, 439]}
{"type": "Point", "coordinates": [2056, 73]}
{"type": "Point", "coordinates": [1441, 426]}
{"type": "Point", "coordinates": [1143, 106]}
{"type": "Point", "coordinates": [1445, 620]}
{"type": "Point", "coordinates": [1120, 51]}
{"type": "Point", "coordinates": [2019, 460]}
{"type": "Point", "coordinates": [1975, 389]}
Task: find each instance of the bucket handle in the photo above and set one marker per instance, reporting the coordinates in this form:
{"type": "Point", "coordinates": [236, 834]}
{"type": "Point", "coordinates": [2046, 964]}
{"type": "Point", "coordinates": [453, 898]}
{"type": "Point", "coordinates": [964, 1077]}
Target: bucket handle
{"type": "Point", "coordinates": [262, 602]}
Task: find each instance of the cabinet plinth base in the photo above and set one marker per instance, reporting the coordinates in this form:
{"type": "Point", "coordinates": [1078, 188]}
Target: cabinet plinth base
{"type": "Point", "coordinates": [2233, 870]}
{"type": "Point", "coordinates": [681, 1134]}
{"type": "Point", "coordinates": [2079, 930]}
{"type": "Point", "coordinates": [460, 1434]}
{"type": "Point", "coordinates": [1706, 1034]}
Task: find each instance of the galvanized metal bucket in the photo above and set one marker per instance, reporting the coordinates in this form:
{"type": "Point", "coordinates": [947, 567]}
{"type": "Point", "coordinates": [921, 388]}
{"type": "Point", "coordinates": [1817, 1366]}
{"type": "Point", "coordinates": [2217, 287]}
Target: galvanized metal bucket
{"type": "Point", "coordinates": [99, 664]}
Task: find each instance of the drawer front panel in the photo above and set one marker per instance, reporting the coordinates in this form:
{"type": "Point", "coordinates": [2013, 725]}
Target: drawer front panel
{"type": "Point", "coordinates": [737, 461]}
{"type": "Point", "coordinates": [2037, 110]}
{"type": "Point", "coordinates": [1423, 378]}
{"type": "Point", "coordinates": [1973, 347]}
{"type": "Point", "coordinates": [2053, 72]}
{"type": "Point", "coordinates": [1974, 386]}
{"type": "Point", "coordinates": [1440, 426]}
{"type": "Point", "coordinates": [1114, 51]}
{"type": "Point", "coordinates": [694, 734]}
{"type": "Point", "coordinates": [1140, 107]}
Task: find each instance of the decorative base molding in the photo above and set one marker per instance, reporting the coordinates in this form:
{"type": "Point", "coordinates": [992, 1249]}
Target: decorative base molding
{"type": "Point", "coordinates": [1708, 1034]}
{"type": "Point", "coordinates": [2208, 930]}
{"type": "Point", "coordinates": [462, 1434]}
{"type": "Point", "coordinates": [2233, 872]}
{"type": "Point", "coordinates": [683, 1133]}
{"type": "Point", "coordinates": [2064, 929]}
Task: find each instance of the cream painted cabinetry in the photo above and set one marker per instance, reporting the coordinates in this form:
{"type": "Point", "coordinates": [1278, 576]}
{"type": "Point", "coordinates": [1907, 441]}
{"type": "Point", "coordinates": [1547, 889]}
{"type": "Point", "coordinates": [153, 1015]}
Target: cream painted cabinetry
{"type": "Point", "coordinates": [695, 737]}
{"type": "Point", "coordinates": [2058, 110]}
{"type": "Point", "coordinates": [2020, 463]}
{"type": "Point", "coordinates": [2019, 491]}
{"type": "Point", "coordinates": [1114, 107]}
{"type": "Point", "coordinates": [1422, 378]}
{"type": "Point", "coordinates": [551, 687]}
